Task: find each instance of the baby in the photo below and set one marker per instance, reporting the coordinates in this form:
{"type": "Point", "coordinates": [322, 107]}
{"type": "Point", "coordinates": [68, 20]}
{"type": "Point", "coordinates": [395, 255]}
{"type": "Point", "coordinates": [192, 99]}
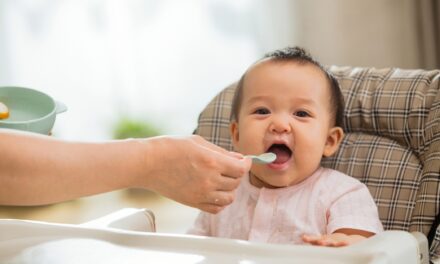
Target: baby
{"type": "Point", "coordinates": [288, 104]}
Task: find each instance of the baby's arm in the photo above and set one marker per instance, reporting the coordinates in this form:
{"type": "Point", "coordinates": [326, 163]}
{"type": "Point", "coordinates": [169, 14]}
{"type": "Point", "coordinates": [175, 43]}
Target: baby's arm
{"type": "Point", "coordinates": [341, 237]}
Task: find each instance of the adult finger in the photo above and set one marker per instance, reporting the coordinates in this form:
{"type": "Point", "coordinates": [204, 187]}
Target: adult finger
{"type": "Point", "coordinates": [232, 167]}
{"type": "Point", "coordinates": [210, 208]}
{"type": "Point", "coordinates": [226, 183]}
{"type": "Point", "coordinates": [220, 198]}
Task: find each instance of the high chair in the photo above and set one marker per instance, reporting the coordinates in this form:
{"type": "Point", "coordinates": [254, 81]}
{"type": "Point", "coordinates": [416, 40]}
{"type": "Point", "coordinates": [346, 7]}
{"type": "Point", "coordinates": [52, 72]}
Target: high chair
{"type": "Point", "coordinates": [392, 142]}
{"type": "Point", "coordinates": [127, 236]}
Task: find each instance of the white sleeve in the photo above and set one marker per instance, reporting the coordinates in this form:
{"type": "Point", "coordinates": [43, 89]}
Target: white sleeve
{"type": "Point", "coordinates": [354, 208]}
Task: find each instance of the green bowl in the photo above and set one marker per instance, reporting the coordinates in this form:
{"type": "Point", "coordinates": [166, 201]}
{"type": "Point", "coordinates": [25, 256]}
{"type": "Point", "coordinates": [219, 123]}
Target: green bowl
{"type": "Point", "coordinates": [29, 109]}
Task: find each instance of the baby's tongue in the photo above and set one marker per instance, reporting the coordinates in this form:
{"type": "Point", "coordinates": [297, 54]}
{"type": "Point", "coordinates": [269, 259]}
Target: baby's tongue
{"type": "Point", "coordinates": [282, 153]}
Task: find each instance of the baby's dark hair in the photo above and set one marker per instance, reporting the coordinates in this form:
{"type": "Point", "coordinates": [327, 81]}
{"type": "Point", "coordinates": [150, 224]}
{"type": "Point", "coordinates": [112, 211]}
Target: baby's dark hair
{"type": "Point", "coordinates": [300, 56]}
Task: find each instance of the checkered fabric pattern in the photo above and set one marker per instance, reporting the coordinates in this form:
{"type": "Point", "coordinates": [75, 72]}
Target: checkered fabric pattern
{"type": "Point", "coordinates": [392, 142]}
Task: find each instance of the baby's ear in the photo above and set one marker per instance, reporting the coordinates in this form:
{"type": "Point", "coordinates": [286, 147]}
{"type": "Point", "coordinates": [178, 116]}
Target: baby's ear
{"type": "Point", "coordinates": [233, 128]}
{"type": "Point", "coordinates": [334, 139]}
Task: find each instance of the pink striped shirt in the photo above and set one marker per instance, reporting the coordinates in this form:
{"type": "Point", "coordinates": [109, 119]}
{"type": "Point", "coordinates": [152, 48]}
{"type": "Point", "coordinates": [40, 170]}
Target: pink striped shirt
{"type": "Point", "coordinates": [323, 203]}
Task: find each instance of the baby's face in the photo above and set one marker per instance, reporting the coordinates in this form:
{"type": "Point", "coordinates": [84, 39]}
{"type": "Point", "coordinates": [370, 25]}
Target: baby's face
{"type": "Point", "coordinates": [285, 109]}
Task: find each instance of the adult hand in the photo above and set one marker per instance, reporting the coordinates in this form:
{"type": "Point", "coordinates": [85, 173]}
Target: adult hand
{"type": "Point", "coordinates": [36, 169]}
{"type": "Point", "coordinates": [193, 171]}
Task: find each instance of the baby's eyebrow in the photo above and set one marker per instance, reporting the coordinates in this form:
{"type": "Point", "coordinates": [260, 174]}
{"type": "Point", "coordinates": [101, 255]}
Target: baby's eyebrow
{"type": "Point", "coordinates": [306, 101]}
{"type": "Point", "coordinates": [256, 99]}
{"type": "Point", "coordinates": [297, 100]}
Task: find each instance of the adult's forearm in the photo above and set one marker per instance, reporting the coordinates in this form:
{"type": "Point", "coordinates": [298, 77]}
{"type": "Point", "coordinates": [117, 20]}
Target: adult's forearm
{"type": "Point", "coordinates": [39, 170]}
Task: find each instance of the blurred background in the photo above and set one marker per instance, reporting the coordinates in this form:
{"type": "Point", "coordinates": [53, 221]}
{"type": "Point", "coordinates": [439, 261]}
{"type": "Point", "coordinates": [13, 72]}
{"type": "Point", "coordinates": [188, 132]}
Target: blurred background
{"type": "Point", "coordinates": [141, 68]}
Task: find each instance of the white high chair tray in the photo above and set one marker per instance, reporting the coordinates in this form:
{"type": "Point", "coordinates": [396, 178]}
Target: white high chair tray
{"type": "Point", "coordinates": [24, 241]}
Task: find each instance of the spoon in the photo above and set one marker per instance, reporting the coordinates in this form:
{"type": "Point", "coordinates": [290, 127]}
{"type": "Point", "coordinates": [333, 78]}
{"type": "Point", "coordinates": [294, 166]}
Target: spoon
{"type": "Point", "coordinates": [264, 158]}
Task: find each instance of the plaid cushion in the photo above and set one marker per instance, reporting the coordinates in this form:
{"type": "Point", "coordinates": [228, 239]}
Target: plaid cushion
{"type": "Point", "coordinates": [392, 142]}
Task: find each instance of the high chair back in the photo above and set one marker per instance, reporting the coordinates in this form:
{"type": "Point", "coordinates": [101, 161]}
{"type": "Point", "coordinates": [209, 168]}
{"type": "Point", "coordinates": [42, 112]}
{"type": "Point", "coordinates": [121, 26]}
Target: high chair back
{"type": "Point", "coordinates": [392, 142]}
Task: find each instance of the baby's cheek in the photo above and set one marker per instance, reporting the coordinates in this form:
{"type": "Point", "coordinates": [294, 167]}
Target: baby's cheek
{"type": "Point", "coordinates": [309, 160]}
{"type": "Point", "coordinates": [250, 145]}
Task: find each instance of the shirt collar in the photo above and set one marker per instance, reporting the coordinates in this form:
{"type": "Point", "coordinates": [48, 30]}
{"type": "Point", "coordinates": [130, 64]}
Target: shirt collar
{"type": "Point", "coordinates": [254, 192]}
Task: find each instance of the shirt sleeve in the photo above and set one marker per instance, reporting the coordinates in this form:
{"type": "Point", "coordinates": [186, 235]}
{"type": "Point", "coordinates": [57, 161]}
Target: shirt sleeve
{"type": "Point", "coordinates": [201, 226]}
{"type": "Point", "coordinates": [353, 207]}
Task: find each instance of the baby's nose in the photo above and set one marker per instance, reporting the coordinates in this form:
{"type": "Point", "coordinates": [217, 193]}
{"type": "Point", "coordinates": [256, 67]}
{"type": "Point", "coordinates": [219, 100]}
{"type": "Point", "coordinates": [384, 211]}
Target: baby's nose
{"type": "Point", "coordinates": [280, 124]}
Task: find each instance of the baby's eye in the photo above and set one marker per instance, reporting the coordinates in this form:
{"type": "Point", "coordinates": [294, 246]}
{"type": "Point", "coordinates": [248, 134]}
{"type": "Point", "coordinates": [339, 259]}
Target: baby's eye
{"type": "Point", "coordinates": [262, 111]}
{"type": "Point", "coordinates": [301, 114]}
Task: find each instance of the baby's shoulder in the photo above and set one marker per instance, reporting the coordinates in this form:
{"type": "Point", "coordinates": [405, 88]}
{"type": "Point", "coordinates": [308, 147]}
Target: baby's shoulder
{"type": "Point", "coordinates": [335, 182]}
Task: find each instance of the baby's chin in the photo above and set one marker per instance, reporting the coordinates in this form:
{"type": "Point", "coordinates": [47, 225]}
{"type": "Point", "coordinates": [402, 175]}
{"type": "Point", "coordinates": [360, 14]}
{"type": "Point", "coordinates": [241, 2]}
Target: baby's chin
{"type": "Point", "coordinates": [259, 182]}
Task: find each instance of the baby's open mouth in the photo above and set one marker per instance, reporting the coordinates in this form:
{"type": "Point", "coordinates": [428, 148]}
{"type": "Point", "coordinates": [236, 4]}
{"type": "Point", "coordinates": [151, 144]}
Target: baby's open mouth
{"type": "Point", "coordinates": [282, 151]}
